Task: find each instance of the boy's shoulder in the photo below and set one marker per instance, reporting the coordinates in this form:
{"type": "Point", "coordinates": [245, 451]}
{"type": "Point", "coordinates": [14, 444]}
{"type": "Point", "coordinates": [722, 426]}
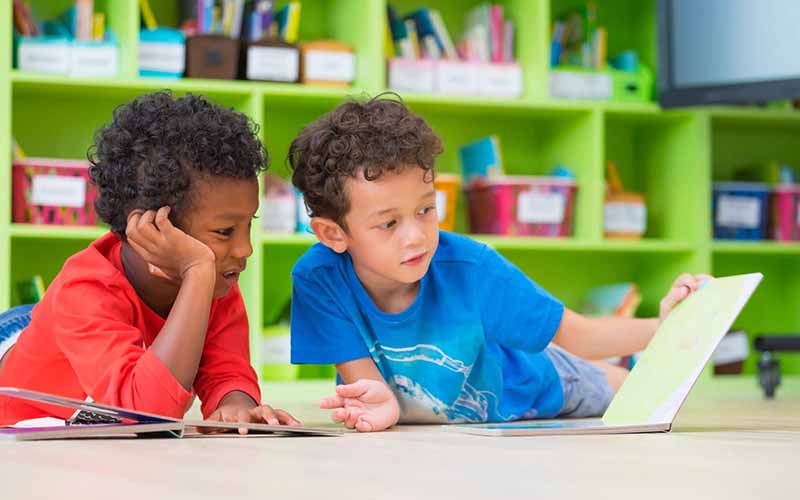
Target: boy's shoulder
{"type": "Point", "coordinates": [457, 248]}
{"type": "Point", "coordinates": [318, 257]}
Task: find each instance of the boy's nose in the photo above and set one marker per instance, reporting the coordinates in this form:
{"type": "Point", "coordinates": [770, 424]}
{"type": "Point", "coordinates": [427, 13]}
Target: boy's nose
{"type": "Point", "coordinates": [242, 249]}
{"type": "Point", "coordinates": [414, 235]}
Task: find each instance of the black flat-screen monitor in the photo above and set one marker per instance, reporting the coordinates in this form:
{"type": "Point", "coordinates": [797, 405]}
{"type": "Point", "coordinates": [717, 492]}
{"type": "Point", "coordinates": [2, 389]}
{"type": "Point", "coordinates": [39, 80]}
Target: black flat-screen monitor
{"type": "Point", "coordinates": [728, 51]}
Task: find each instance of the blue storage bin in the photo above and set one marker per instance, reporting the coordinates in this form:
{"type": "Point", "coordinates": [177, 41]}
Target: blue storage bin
{"type": "Point", "coordinates": [740, 210]}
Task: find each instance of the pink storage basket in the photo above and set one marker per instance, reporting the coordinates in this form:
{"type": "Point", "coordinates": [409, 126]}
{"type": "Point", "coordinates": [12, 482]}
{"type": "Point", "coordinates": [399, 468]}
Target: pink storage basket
{"type": "Point", "coordinates": [522, 206]}
{"type": "Point", "coordinates": [52, 191]}
{"type": "Point", "coordinates": [785, 213]}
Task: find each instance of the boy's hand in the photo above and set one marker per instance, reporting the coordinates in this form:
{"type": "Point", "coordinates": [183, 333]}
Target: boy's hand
{"type": "Point", "coordinates": [169, 252]}
{"type": "Point", "coordinates": [238, 407]}
{"type": "Point", "coordinates": [366, 405]}
{"type": "Point", "coordinates": [685, 285]}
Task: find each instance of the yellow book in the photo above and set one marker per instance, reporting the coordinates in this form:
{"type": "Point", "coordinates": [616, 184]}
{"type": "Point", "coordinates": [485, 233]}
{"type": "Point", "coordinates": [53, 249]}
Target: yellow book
{"type": "Point", "coordinates": [147, 15]}
{"type": "Point", "coordinates": [293, 23]}
{"type": "Point", "coordinates": [388, 43]}
{"type": "Point", "coordinates": [98, 26]}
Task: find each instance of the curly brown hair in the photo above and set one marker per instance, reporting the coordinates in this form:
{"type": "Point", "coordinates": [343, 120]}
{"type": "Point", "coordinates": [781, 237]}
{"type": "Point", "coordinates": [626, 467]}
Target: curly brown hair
{"type": "Point", "coordinates": [366, 138]}
{"type": "Point", "coordinates": [157, 145]}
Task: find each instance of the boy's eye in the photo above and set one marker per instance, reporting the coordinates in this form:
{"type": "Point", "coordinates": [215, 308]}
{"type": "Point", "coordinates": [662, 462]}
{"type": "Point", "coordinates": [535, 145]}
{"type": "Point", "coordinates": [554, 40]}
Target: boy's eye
{"type": "Point", "coordinates": [225, 232]}
{"type": "Point", "coordinates": [427, 210]}
{"type": "Point", "coordinates": [388, 225]}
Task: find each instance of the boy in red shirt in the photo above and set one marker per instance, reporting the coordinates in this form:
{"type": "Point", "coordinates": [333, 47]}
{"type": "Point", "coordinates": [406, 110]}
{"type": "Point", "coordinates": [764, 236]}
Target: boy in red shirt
{"type": "Point", "coordinates": [150, 314]}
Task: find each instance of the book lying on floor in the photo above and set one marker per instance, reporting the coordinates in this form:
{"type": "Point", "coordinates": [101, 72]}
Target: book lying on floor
{"type": "Point", "coordinates": [94, 420]}
{"type": "Point", "coordinates": [659, 383]}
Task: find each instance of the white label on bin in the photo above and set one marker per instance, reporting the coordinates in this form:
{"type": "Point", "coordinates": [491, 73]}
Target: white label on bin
{"type": "Point", "coordinates": [456, 78]}
{"type": "Point", "coordinates": [272, 63]}
{"type": "Point", "coordinates": [411, 76]}
{"type": "Point", "coordinates": [574, 85]}
{"type": "Point", "coordinates": [52, 58]}
{"type": "Point", "coordinates": [500, 80]}
{"type": "Point", "coordinates": [796, 208]}
{"type": "Point", "coordinates": [741, 212]}
{"type": "Point", "coordinates": [441, 205]}
{"type": "Point", "coordinates": [58, 191]}
{"type": "Point", "coordinates": [621, 217]}
{"type": "Point", "coordinates": [162, 56]}
{"type": "Point", "coordinates": [94, 60]}
{"type": "Point", "coordinates": [540, 208]}
{"type": "Point", "coordinates": [276, 349]}
{"type": "Point", "coordinates": [330, 66]}
{"type": "Point", "coordinates": [279, 214]}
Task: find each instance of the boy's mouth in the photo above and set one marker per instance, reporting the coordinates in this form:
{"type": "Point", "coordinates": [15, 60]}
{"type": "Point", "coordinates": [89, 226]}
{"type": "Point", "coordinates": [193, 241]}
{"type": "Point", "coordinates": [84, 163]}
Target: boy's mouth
{"type": "Point", "coordinates": [232, 277]}
{"type": "Point", "coordinates": [415, 260]}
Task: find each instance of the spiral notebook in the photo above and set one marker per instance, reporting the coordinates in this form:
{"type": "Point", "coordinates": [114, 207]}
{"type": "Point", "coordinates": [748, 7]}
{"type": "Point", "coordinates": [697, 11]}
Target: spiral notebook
{"type": "Point", "coordinates": [94, 420]}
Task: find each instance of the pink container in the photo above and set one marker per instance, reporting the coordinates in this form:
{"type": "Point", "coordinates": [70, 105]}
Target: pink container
{"type": "Point", "coordinates": [522, 206]}
{"type": "Point", "coordinates": [785, 213]}
{"type": "Point", "coordinates": [52, 191]}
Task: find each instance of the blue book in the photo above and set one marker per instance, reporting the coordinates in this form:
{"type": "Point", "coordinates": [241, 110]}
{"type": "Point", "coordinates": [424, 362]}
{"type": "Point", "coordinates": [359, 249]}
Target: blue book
{"type": "Point", "coordinates": [426, 27]}
{"type": "Point", "coordinates": [480, 159]}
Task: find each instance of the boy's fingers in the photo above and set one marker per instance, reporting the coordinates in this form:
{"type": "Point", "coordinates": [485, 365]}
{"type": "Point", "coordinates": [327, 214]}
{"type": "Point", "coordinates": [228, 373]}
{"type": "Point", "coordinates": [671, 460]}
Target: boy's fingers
{"type": "Point", "coordinates": [363, 425]}
{"type": "Point", "coordinates": [268, 414]}
{"type": "Point", "coordinates": [285, 419]}
{"type": "Point", "coordinates": [353, 416]}
{"type": "Point", "coordinates": [354, 390]}
{"type": "Point", "coordinates": [142, 251]}
{"type": "Point", "coordinates": [244, 416]}
{"type": "Point", "coordinates": [331, 402]}
{"type": "Point", "coordinates": [162, 221]}
{"type": "Point", "coordinates": [339, 415]}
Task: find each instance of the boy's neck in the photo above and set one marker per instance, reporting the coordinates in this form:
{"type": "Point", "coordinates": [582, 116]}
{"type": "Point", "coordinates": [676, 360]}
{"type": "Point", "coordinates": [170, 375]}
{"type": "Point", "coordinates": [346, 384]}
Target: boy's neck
{"type": "Point", "coordinates": [157, 294]}
{"type": "Point", "coordinates": [389, 296]}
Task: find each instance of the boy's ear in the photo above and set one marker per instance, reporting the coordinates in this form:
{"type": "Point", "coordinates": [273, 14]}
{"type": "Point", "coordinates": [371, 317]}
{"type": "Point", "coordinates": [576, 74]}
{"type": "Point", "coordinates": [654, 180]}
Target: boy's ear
{"type": "Point", "coordinates": [329, 233]}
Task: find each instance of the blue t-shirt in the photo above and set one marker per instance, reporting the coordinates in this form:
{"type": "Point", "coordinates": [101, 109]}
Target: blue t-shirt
{"type": "Point", "coordinates": [469, 349]}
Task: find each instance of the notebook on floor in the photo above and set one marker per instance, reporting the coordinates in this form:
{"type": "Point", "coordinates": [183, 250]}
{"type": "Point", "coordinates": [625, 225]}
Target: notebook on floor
{"type": "Point", "coordinates": [103, 421]}
{"type": "Point", "coordinates": [662, 378]}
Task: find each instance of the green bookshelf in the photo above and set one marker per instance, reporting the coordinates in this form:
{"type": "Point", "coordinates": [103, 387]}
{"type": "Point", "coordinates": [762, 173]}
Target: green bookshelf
{"type": "Point", "coordinates": [672, 157]}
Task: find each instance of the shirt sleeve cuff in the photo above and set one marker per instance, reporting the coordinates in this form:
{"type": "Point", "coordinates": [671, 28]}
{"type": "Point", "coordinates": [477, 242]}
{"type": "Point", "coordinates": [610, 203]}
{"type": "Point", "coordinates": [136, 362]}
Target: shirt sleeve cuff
{"type": "Point", "coordinates": [246, 386]}
{"type": "Point", "coordinates": [179, 396]}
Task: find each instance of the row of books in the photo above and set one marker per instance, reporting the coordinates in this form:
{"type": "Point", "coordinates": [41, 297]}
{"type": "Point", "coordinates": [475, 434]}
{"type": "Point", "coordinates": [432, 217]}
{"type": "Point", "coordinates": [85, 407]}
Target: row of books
{"type": "Point", "coordinates": [578, 40]}
{"type": "Point", "coordinates": [78, 22]}
{"type": "Point", "coordinates": [422, 34]}
{"type": "Point", "coordinates": [251, 20]}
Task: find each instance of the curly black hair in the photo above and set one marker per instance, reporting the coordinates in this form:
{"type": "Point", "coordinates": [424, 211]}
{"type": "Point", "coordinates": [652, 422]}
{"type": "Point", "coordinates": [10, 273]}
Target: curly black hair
{"type": "Point", "coordinates": [367, 137]}
{"type": "Point", "coordinates": [157, 145]}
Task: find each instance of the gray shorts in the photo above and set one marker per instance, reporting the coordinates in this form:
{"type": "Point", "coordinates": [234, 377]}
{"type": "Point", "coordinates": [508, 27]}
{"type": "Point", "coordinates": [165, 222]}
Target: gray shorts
{"type": "Point", "coordinates": [586, 389]}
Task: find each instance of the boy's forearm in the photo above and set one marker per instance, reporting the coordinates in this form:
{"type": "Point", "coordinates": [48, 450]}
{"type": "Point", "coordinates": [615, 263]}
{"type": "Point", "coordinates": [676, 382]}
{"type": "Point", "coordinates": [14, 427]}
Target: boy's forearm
{"type": "Point", "coordinates": [179, 344]}
{"type": "Point", "coordinates": [599, 338]}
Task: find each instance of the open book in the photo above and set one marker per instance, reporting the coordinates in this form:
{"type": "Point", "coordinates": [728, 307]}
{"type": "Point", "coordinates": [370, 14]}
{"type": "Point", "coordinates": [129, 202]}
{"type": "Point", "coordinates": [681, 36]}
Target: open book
{"type": "Point", "coordinates": [103, 421]}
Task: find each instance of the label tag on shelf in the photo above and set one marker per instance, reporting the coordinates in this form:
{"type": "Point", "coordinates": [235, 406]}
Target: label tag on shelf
{"type": "Point", "coordinates": [58, 191]}
{"type": "Point", "coordinates": [738, 212]}
{"type": "Point", "coordinates": [441, 205]}
{"type": "Point", "coordinates": [276, 349]}
{"type": "Point", "coordinates": [164, 57]}
{"type": "Point", "coordinates": [534, 207]}
{"type": "Point", "coordinates": [577, 85]}
{"type": "Point", "coordinates": [329, 66]}
{"type": "Point", "coordinates": [407, 75]}
{"type": "Point", "coordinates": [277, 64]}
{"type": "Point", "coordinates": [279, 214]}
{"type": "Point", "coordinates": [51, 57]}
{"type": "Point", "coordinates": [94, 60]}
{"type": "Point", "coordinates": [456, 78]}
{"type": "Point", "coordinates": [500, 80]}
{"type": "Point", "coordinates": [621, 217]}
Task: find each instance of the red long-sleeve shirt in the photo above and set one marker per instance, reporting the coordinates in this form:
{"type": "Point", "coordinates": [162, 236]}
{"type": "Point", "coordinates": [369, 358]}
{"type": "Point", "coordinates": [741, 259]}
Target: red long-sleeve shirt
{"type": "Point", "coordinates": [90, 336]}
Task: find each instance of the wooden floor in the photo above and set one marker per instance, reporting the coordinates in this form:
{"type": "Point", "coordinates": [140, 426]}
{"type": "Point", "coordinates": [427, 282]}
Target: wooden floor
{"type": "Point", "coordinates": [728, 443]}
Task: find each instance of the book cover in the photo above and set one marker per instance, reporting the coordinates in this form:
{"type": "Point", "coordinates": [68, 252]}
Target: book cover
{"type": "Point", "coordinates": [480, 159]}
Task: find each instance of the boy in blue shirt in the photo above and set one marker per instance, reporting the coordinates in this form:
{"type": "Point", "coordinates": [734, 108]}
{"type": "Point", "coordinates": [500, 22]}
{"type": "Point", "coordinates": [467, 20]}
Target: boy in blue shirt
{"type": "Point", "coordinates": [424, 325]}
